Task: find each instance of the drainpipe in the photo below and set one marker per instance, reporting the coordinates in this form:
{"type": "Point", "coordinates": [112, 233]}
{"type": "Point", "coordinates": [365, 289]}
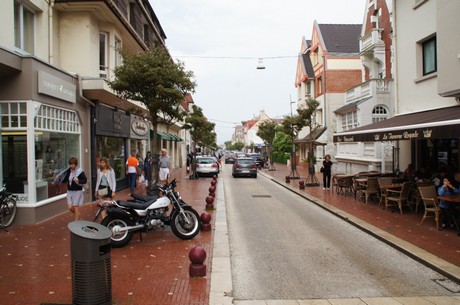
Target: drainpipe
{"type": "Point", "coordinates": [80, 92]}
{"type": "Point", "coordinates": [395, 76]}
{"type": "Point", "coordinates": [50, 31]}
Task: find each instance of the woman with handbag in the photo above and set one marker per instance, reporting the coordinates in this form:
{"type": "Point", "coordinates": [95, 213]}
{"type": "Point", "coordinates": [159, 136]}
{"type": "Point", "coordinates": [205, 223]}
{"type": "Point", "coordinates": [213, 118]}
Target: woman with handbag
{"type": "Point", "coordinates": [106, 183]}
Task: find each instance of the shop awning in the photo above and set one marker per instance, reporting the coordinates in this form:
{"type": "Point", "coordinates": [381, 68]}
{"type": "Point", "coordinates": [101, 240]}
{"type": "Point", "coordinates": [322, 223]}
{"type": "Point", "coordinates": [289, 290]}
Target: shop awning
{"type": "Point", "coordinates": [166, 136]}
{"type": "Point", "coordinates": [431, 124]}
{"type": "Point", "coordinates": [314, 135]}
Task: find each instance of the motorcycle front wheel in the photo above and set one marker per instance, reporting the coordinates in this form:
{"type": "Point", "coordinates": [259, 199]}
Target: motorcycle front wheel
{"type": "Point", "coordinates": [114, 223]}
{"type": "Point", "coordinates": [7, 212]}
{"type": "Point", "coordinates": [186, 224]}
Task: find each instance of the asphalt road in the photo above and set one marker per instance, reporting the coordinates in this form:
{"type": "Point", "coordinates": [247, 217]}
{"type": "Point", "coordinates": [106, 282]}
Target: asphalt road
{"type": "Point", "coordinates": [285, 247]}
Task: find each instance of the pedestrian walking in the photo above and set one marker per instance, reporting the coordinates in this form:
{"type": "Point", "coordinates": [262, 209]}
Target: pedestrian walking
{"type": "Point", "coordinates": [76, 181]}
{"type": "Point", "coordinates": [148, 168]}
{"type": "Point", "coordinates": [131, 171]}
{"type": "Point", "coordinates": [164, 165]}
{"type": "Point", "coordinates": [106, 183]}
{"type": "Point", "coordinates": [326, 170]}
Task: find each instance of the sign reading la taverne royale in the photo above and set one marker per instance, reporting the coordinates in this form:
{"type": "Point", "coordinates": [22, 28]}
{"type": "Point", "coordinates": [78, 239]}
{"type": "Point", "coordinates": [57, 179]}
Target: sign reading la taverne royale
{"type": "Point", "coordinates": [396, 135]}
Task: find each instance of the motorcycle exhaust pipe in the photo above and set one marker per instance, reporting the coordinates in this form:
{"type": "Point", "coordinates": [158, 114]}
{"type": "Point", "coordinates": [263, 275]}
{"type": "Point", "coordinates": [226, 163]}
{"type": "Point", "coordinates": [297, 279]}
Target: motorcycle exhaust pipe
{"type": "Point", "coordinates": [118, 229]}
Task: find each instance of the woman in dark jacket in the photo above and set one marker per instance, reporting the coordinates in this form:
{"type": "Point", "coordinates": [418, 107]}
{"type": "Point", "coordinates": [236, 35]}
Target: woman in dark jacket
{"type": "Point", "coordinates": [326, 170]}
{"type": "Point", "coordinates": [148, 168]}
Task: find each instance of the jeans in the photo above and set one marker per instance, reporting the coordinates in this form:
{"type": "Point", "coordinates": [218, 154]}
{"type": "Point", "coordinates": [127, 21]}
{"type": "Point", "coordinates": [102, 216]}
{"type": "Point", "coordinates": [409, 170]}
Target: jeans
{"type": "Point", "coordinates": [132, 181]}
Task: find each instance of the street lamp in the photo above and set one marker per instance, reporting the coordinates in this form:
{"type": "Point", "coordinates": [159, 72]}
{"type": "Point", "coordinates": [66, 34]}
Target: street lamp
{"type": "Point", "coordinates": [293, 174]}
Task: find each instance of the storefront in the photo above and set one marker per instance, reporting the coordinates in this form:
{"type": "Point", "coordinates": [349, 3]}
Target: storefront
{"type": "Point", "coordinates": [42, 121]}
{"type": "Point", "coordinates": [427, 139]}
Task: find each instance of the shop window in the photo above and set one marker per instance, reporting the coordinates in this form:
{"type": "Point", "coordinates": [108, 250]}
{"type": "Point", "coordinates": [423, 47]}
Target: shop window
{"type": "Point", "coordinates": [24, 27]}
{"type": "Point", "coordinates": [114, 150]}
{"type": "Point", "coordinates": [13, 115]}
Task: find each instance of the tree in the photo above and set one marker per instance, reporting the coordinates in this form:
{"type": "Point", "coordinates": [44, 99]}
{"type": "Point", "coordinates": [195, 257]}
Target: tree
{"type": "Point", "coordinates": [238, 145]}
{"type": "Point", "coordinates": [201, 132]}
{"type": "Point", "coordinates": [305, 117]}
{"type": "Point", "coordinates": [156, 81]}
{"type": "Point", "coordinates": [267, 132]}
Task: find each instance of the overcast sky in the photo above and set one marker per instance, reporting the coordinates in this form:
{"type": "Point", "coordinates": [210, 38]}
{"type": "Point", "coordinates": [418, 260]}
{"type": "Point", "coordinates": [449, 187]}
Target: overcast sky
{"type": "Point", "coordinates": [221, 41]}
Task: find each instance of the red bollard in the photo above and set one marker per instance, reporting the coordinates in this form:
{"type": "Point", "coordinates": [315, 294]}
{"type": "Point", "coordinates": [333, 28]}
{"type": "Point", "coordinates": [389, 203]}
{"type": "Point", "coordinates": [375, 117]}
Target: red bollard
{"type": "Point", "coordinates": [302, 184]}
{"type": "Point", "coordinates": [212, 189]}
{"type": "Point", "coordinates": [288, 179]}
{"type": "Point", "coordinates": [197, 256]}
{"type": "Point", "coordinates": [209, 203]}
{"type": "Point", "coordinates": [213, 182]}
{"type": "Point", "coordinates": [205, 221]}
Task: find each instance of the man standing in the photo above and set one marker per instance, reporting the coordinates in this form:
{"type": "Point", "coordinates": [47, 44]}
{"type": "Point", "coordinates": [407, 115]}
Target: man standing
{"type": "Point", "coordinates": [131, 171]}
{"type": "Point", "coordinates": [164, 164]}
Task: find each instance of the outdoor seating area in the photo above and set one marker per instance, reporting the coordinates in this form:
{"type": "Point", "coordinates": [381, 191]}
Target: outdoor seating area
{"type": "Point", "coordinates": [395, 194]}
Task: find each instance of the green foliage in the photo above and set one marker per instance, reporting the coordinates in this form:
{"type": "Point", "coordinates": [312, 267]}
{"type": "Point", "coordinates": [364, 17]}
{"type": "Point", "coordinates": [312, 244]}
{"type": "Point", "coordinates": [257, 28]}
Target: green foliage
{"type": "Point", "coordinates": [238, 146]}
{"type": "Point", "coordinates": [282, 143]}
{"type": "Point", "coordinates": [305, 117]}
{"type": "Point", "coordinates": [267, 131]}
{"type": "Point", "coordinates": [155, 80]}
{"type": "Point", "coordinates": [201, 131]}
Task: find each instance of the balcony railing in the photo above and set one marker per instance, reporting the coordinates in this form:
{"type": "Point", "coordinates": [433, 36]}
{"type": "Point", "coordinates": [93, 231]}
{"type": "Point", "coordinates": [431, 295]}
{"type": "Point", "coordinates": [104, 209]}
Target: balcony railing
{"type": "Point", "coordinates": [370, 40]}
{"type": "Point", "coordinates": [370, 88]}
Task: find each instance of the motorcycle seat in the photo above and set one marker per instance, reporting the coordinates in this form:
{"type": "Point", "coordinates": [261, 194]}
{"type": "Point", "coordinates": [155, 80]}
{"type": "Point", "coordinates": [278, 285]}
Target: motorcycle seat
{"type": "Point", "coordinates": [138, 205]}
{"type": "Point", "coordinates": [140, 197]}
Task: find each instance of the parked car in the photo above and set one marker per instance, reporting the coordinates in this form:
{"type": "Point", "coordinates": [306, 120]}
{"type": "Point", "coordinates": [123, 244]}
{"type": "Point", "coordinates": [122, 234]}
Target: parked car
{"type": "Point", "coordinates": [240, 155]}
{"type": "Point", "coordinates": [258, 158]}
{"type": "Point", "coordinates": [206, 166]}
{"type": "Point", "coordinates": [244, 167]}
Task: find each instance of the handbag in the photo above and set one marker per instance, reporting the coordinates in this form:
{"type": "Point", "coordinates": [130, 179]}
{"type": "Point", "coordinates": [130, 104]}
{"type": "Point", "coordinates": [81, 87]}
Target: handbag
{"type": "Point", "coordinates": [103, 192]}
{"type": "Point", "coordinates": [321, 169]}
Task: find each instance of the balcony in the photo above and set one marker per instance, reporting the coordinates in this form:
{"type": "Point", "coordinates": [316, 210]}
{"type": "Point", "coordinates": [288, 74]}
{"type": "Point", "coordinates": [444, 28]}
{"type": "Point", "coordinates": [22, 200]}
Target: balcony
{"type": "Point", "coordinates": [372, 88]}
{"type": "Point", "coordinates": [371, 41]}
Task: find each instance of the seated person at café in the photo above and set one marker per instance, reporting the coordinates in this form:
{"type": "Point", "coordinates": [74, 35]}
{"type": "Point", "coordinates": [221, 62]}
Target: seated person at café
{"type": "Point", "coordinates": [446, 189]}
{"type": "Point", "coordinates": [409, 172]}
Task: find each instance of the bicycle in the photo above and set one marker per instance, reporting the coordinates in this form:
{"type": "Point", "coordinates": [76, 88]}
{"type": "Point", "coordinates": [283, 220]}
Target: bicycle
{"type": "Point", "coordinates": [7, 208]}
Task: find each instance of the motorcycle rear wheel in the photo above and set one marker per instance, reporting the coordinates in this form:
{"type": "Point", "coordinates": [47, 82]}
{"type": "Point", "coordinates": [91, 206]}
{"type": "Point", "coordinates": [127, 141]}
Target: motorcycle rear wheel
{"type": "Point", "coordinates": [119, 239]}
{"type": "Point", "coordinates": [185, 225]}
{"type": "Point", "coordinates": [8, 212]}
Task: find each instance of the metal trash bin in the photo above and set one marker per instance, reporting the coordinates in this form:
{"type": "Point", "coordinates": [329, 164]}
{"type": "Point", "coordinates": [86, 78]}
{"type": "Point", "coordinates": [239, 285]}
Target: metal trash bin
{"type": "Point", "coordinates": [91, 266]}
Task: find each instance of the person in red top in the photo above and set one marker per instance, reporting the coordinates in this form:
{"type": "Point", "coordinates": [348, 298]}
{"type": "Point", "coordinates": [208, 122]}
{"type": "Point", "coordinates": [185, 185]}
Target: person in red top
{"type": "Point", "coordinates": [131, 171]}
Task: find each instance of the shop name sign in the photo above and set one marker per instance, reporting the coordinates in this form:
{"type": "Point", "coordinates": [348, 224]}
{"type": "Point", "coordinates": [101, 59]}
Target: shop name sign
{"type": "Point", "coordinates": [387, 136]}
{"type": "Point", "coordinates": [140, 127]}
{"type": "Point", "coordinates": [56, 87]}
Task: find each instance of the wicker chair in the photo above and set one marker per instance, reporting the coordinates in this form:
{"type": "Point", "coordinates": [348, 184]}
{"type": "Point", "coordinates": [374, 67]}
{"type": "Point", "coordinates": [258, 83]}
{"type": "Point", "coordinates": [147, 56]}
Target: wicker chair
{"type": "Point", "coordinates": [399, 198]}
{"type": "Point", "coordinates": [371, 189]}
{"type": "Point", "coordinates": [383, 192]}
{"type": "Point", "coordinates": [430, 201]}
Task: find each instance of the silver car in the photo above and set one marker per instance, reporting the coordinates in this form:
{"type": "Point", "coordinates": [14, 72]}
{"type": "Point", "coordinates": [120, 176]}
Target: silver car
{"type": "Point", "coordinates": [206, 166]}
{"type": "Point", "coordinates": [244, 167]}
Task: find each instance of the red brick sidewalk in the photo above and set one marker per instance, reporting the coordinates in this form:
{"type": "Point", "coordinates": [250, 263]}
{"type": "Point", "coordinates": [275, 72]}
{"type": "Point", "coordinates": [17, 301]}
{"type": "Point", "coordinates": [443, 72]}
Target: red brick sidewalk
{"type": "Point", "coordinates": [35, 260]}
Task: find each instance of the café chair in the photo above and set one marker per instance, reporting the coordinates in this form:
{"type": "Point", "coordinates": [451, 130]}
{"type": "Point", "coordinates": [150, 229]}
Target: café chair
{"type": "Point", "coordinates": [336, 182]}
{"type": "Point", "coordinates": [430, 201]}
{"type": "Point", "coordinates": [371, 189]}
{"type": "Point", "coordinates": [416, 198]}
{"type": "Point", "coordinates": [398, 198]}
{"type": "Point", "coordinates": [383, 192]}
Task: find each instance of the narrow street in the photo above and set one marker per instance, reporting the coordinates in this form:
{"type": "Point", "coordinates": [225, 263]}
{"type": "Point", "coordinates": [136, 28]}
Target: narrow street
{"type": "Point", "coordinates": [283, 247]}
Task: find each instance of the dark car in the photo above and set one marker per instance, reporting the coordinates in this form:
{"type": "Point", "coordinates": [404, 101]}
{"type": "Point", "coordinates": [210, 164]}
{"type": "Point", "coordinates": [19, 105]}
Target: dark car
{"type": "Point", "coordinates": [244, 167]}
{"type": "Point", "coordinates": [230, 158]}
{"type": "Point", "coordinates": [258, 158]}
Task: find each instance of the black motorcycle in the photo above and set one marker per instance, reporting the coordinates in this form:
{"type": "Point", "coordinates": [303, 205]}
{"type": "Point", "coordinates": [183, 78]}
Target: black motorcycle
{"type": "Point", "coordinates": [125, 217]}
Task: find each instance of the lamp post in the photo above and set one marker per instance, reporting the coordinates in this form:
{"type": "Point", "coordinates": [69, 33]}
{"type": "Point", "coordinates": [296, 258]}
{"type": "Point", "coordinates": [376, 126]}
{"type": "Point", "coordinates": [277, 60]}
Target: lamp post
{"type": "Point", "coordinates": [293, 174]}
